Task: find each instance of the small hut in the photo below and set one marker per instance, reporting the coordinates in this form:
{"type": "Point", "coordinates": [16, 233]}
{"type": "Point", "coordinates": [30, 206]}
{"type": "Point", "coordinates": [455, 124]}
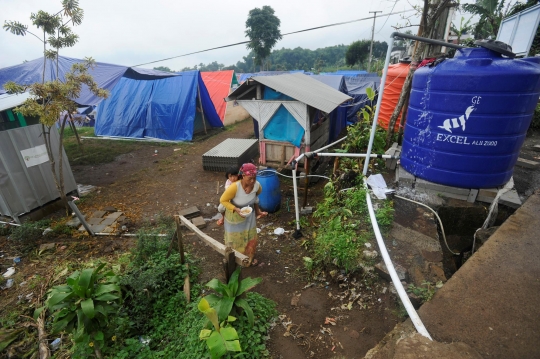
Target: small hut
{"type": "Point", "coordinates": [26, 180]}
{"type": "Point", "coordinates": [291, 114]}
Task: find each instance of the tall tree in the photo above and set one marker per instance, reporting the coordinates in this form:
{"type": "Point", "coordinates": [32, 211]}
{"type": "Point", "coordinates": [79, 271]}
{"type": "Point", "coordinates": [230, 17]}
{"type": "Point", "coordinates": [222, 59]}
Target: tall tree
{"type": "Point", "coordinates": [163, 68]}
{"type": "Point", "coordinates": [491, 13]}
{"type": "Point", "coordinates": [357, 53]}
{"type": "Point", "coordinates": [262, 29]}
{"type": "Point", "coordinates": [49, 99]}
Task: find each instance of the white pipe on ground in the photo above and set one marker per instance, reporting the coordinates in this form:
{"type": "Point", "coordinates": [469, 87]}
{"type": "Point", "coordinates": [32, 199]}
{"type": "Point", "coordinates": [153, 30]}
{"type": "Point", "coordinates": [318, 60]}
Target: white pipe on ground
{"type": "Point", "coordinates": [393, 274]}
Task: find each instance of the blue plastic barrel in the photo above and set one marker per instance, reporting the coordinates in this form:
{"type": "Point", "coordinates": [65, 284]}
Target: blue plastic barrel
{"type": "Point", "coordinates": [270, 197]}
{"type": "Point", "coordinates": [468, 117]}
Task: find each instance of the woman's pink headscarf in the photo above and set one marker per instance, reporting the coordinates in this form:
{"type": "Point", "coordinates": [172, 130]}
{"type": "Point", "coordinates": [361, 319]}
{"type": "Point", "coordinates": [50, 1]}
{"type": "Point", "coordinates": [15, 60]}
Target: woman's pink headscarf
{"type": "Point", "coordinates": [248, 169]}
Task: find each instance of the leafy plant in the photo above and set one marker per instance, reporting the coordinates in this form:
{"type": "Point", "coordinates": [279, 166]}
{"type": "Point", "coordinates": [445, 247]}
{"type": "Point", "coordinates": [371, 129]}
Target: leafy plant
{"type": "Point", "coordinates": [230, 295]}
{"type": "Point", "coordinates": [223, 337]}
{"type": "Point", "coordinates": [84, 305]}
{"type": "Point", "coordinates": [426, 291]}
{"type": "Point", "coordinates": [340, 241]}
{"type": "Point", "coordinates": [24, 237]}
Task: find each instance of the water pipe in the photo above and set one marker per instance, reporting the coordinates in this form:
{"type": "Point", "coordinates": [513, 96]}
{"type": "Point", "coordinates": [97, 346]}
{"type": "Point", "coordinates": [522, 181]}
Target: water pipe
{"type": "Point", "coordinates": [10, 223]}
{"type": "Point", "coordinates": [354, 155]}
{"type": "Point", "coordinates": [378, 106]}
{"type": "Point", "coordinates": [393, 274]}
{"type": "Point", "coordinates": [297, 233]}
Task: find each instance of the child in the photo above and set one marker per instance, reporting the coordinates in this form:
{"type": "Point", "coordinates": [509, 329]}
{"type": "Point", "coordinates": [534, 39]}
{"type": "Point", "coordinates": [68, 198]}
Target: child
{"type": "Point", "coordinates": [232, 176]}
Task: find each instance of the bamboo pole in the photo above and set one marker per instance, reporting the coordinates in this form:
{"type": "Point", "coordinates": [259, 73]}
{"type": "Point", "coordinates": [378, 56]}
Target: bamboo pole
{"type": "Point", "coordinates": [241, 259]}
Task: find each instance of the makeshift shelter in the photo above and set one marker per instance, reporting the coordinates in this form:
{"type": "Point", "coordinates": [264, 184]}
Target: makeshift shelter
{"type": "Point", "coordinates": [356, 88]}
{"type": "Point", "coordinates": [219, 84]}
{"type": "Point", "coordinates": [26, 181]}
{"type": "Point", "coordinates": [292, 113]}
{"type": "Point", "coordinates": [105, 75]}
{"type": "Point", "coordinates": [338, 117]}
{"type": "Point", "coordinates": [170, 109]}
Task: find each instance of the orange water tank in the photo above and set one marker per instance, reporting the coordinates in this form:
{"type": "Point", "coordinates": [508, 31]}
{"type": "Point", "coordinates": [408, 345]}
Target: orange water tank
{"type": "Point", "coordinates": [395, 79]}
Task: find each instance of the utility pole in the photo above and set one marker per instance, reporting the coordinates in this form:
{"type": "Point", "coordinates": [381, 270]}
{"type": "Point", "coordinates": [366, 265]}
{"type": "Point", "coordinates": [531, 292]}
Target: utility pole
{"type": "Point", "coordinates": [372, 34]}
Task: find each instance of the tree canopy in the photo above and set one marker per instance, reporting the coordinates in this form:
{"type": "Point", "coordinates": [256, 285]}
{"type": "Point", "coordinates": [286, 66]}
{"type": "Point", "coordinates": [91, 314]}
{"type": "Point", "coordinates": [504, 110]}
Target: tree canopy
{"type": "Point", "coordinates": [358, 51]}
{"type": "Point", "coordinates": [262, 29]}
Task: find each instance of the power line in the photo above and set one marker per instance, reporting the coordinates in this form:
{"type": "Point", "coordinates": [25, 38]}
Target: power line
{"type": "Point", "coordinates": [395, 2]}
{"type": "Point", "coordinates": [289, 33]}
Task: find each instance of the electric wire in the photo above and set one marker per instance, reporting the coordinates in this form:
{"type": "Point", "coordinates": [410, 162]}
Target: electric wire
{"type": "Point", "coordinates": [286, 34]}
{"type": "Point", "coordinates": [395, 2]}
{"type": "Point", "coordinates": [438, 218]}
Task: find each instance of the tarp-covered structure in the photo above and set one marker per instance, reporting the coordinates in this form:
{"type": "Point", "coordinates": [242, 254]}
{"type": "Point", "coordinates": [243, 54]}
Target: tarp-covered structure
{"type": "Point", "coordinates": [105, 75]}
{"type": "Point", "coordinates": [356, 88]}
{"type": "Point", "coordinates": [244, 76]}
{"type": "Point", "coordinates": [170, 109]}
{"type": "Point", "coordinates": [219, 85]}
{"type": "Point", "coordinates": [292, 113]}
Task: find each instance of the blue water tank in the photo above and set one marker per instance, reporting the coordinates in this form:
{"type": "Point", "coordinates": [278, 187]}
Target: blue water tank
{"type": "Point", "coordinates": [270, 197]}
{"type": "Point", "coordinates": [468, 117]}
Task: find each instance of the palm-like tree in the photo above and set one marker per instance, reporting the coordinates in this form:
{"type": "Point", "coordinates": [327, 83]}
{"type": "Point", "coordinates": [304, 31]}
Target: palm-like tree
{"type": "Point", "coordinates": [491, 13]}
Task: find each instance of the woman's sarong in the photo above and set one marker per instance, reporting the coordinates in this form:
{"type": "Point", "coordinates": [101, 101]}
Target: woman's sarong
{"type": "Point", "coordinates": [240, 232]}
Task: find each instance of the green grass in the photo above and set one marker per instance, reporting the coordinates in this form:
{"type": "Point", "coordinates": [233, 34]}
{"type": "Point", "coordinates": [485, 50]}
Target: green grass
{"type": "Point", "coordinates": [95, 152]}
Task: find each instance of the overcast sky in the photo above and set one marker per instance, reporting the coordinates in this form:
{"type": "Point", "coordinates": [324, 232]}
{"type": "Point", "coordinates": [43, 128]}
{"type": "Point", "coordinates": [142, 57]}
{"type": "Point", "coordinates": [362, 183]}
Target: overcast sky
{"type": "Point", "coordinates": [134, 32]}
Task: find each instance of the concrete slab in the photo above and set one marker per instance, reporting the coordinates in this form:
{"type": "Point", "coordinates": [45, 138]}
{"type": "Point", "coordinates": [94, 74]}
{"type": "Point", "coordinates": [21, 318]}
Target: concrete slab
{"type": "Point", "coordinates": [510, 198]}
{"type": "Point", "coordinates": [199, 222]}
{"type": "Point", "coordinates": [98, 228]}
{"type": "Point", "coordinates": [473, 194]}
{"type": "Point", "coordinates": [403, 177]}
{"type": "Point", "coordinates": [433, 193]}
{"type": "Point", "coordinates": [98, 214]}
{"type": "Point", "coordinates": [190, 212]}
{"type": "Point", "coordinates": [108, 221]}
{"type": "Point", "coordinates": [115, 215]}
{"type": "Point", "coordinates": [94, 221]}
{"type": "Point", "coordinates": [491, 303]}
{"type": "Point", "coordinates": [421, 183]}
{"type": "Point", "coordinates": [522, 162]}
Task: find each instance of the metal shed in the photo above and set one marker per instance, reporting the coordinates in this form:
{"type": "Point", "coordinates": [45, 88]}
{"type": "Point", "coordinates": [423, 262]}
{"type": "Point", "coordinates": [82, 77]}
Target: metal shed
{"type": "Point", "coordinates": [291, 111]}
{"type": "Point", "coordinates": [26, 181]}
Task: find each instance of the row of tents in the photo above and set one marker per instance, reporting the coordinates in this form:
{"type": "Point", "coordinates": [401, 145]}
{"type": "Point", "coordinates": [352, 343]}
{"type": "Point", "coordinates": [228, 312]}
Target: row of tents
{"type": "Point", "coordinates": [150, 104]}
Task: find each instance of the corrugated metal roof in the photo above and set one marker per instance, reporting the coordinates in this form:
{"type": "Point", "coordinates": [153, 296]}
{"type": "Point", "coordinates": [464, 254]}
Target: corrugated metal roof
{"type": "Point", "coordinates": [302, 88]}
{"type": "Point", "coordinates": [231, 147]}
{"type": "Point", "coordinates": [8, 101]}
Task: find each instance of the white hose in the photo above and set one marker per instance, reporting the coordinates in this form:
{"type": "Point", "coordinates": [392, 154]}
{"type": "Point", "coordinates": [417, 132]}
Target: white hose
{"type": "Point", "coordinates": [393, 274]}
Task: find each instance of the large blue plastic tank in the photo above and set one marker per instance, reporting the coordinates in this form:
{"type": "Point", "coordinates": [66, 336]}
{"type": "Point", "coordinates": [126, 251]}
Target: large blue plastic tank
{"type": "Point", "coordinates": [270, 197]}
{"type": "Point", "coordinates": [468, 117]}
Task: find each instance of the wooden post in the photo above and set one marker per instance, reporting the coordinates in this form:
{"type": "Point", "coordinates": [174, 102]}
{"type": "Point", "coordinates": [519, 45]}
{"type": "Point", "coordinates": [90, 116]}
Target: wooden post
{"type": "Point", "coordinates": [240, 258]}
{"type": "Point", "coordinates": [336, 165]}
{"type": "Point", "coordinates": [229, 263]}
{"type": "Point", "coordinates": [180, 240]}
{"type": "Point", "coordinates": [202, 109]}
{"type": "Point", "coordinates": [306, 183]}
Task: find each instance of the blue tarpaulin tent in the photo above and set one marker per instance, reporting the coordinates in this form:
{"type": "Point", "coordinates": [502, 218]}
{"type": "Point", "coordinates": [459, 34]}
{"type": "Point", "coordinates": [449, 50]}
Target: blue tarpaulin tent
{"type": "Point", "coordinates": [105, 75]}
{"type": "Point", "coordinates": [167, 108]}
{"type": "Point", "coordinates": [338, 117]}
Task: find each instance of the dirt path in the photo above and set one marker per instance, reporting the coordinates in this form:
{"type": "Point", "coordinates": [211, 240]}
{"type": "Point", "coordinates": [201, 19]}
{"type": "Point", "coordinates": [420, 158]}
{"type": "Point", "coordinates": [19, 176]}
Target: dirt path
{"type": "Point", "coordinates": [144, 184]}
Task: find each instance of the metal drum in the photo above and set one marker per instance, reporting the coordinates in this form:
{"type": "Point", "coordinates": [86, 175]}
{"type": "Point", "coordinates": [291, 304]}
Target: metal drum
{"type": "Point", "coordinates": [468, 118]}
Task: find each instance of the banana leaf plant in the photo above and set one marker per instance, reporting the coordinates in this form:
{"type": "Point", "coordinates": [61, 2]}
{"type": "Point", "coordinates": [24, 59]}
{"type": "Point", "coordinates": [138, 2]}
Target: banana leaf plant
{"type": "Point", "coordinates": [223, 337]}
{"type": "Point", "coordinates": [83, 306]}
{"type": "Point", "coordinates": [229, 295]}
